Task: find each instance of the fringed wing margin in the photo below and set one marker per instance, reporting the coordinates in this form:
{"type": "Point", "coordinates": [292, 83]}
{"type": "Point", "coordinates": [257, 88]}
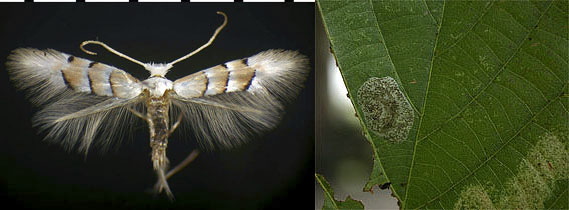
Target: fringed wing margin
{"type": "Point", "coordinates": [227, 104]}
{"type": "Point", "coordinates": [82, 102]}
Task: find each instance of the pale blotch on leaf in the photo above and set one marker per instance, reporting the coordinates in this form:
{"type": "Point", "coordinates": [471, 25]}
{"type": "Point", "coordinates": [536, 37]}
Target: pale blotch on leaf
{"type": "Point", "coordinates": [528, 189]}
{"type": "Point", "coordinates": [474, 197]}
{"type": "Point", "coordinates": [534, 183]}
{"type": "Point", "coordinates": [386, 110]}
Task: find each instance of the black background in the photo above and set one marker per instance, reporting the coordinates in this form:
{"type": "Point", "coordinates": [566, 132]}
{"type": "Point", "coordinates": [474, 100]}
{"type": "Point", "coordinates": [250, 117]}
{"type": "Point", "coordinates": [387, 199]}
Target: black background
{"type": "Point", "coordinates": [272, 171]}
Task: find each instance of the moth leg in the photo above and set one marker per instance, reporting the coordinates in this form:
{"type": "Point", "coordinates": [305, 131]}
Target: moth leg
{"type": "Point", "coordinates": [163, 184]}
{"type": "Point", "coordinates": [138, 114]}
{"type": "Point", "coordinates": [191, 157]}
{"type": "Point", "coordinates": [176, 124]}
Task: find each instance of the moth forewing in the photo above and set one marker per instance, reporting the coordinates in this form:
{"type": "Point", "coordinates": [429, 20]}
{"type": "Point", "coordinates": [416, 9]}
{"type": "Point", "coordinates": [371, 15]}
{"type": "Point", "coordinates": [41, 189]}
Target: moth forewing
{"type": "Point", "coordinates": [246, 96]}
{"type": "Point", "coordinates": [72, 112]}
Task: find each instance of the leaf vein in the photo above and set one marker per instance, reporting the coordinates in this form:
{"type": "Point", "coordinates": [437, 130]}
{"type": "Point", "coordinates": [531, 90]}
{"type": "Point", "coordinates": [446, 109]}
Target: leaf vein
{"type": "Point", "coordinates": [516, 96]}
{"type": "Point", "coordinates": [497, 178]}
{"type": "Point", "coordinates": [450, 155]}
{"type": "Point", "coordinates": [469, 30]}
{"type": "Point", "coordinates": [474, 61]}
{"type": "Point", "coordinates": [430, 14]}
{"type": "Point", "coordinates": [546, 67]}
{"type": "Point", "coordinates": [530, 83]}
{"type": "Point", "coordinates": [462, 142]}
{"type": "Point", "coordinates": [493, 123]}
{"type": "Point", "coordinates": [475, 135]}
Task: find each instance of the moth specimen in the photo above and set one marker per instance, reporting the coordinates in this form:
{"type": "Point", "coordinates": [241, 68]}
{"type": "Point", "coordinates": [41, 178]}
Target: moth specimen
{"type": "Point", "coordinates": [85, 102]}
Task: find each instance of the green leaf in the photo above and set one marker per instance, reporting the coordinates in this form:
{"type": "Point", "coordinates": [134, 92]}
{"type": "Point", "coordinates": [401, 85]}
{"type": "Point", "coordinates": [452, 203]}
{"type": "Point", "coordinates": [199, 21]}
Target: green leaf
{"type": "Point", "coordinates": [330, 202]}
{"type": "Point", "coordinates": [487, 81]}
{"type": "Point", "coordinates": [561, 201]}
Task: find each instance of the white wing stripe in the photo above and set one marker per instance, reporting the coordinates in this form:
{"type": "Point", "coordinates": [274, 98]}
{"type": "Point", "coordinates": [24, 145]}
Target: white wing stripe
{"type": "Point", "coordinates": [217, 80]}
{"type": "Point", "coordinates": [191, 86]}
{"type": "Point", "coordinates": [240, 76]}
{"type": "Point", "coordinates": [99, 76]}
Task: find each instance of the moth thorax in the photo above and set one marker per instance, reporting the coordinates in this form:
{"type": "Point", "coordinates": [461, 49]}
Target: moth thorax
{"type": "Point", "coordinates": [157, 86]}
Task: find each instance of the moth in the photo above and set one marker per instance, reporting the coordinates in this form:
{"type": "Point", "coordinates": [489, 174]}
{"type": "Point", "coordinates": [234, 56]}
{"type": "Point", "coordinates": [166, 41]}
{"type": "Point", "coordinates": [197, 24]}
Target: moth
{"type": "Point", "coordinates": [85, 102]}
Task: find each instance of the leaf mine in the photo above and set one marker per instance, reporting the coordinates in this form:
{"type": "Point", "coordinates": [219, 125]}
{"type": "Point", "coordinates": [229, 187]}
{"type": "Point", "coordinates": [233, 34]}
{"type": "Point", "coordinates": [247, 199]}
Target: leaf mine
{"type": "Point", "coordinates": [386, 110]}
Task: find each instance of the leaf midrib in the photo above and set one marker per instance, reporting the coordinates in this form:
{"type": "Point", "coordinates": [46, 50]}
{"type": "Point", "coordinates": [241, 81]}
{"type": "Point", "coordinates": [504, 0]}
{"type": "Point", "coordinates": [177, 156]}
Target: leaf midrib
{"type": "Point", "coordinates": [424, 100]}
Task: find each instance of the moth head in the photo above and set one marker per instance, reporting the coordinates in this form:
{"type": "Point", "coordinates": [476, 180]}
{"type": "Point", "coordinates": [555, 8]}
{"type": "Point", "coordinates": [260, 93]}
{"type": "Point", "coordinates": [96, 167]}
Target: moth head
{"type": "Point", "coordinates": [158, 69]}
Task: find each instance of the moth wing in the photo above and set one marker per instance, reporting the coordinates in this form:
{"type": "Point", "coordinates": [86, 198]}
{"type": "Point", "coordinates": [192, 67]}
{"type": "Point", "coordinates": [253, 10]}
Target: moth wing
{"type": "Point", "coordinates": [46, 73]}
{"type": "Point", "coordinates": [227, 103]}
{"type": "Point", "coordinates": [80, 100]}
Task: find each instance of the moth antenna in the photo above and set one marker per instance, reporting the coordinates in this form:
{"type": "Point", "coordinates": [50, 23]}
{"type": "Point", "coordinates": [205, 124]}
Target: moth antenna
{"type": "Point", "coordinates": [110, 50]}
{"type": "Point", "coordinates": [206, 44]}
